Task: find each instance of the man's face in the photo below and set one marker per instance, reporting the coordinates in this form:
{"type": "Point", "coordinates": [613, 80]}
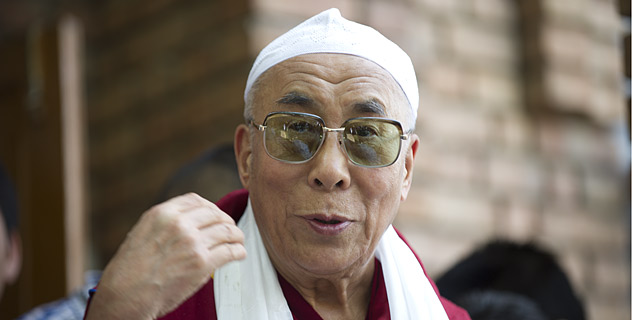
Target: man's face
{"type": "Point", "coordinates": [292, 201]}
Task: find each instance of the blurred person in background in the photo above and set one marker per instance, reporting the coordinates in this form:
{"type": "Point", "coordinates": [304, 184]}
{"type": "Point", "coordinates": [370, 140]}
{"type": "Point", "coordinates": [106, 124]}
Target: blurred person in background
{"type": "Point", "coordinates": [72, 307]}
{"type": "Point", "coordinates": [211, 175]}
{"type": "Point", "coordinates": [511, 281]}
{"type": "Point", "coordinates": [326, 157]}
{"type": "Point", "coordinates": [10, 243]}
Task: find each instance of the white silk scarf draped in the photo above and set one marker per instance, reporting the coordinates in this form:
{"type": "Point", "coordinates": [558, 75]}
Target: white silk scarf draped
{"type": "Point", "coordinates": [249, 289]}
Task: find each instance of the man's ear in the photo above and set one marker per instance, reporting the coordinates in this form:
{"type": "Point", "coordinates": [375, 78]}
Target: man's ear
{"type": "Point", "coordinates": [411, 153]}
{"type": "Point", "coordinates": [13, 262]}
{"type": "Point", "coordinates": [243, 153]}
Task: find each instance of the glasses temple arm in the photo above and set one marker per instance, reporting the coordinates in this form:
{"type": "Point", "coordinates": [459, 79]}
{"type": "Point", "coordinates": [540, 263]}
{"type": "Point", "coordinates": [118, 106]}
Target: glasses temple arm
{"type": "Point", "coordinates": [259, 127]}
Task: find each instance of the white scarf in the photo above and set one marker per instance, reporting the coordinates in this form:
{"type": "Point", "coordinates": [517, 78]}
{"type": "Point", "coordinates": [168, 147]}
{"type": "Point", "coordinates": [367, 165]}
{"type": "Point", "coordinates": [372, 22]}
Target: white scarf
{"type": "Point", "coordinates": [249, 289]}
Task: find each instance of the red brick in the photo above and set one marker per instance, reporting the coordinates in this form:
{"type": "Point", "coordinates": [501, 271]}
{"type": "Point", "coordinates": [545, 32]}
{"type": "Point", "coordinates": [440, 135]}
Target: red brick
{"type": "Point", "coordinates": [449, 211]}
{"type": "Point", "coordinates": [305, 9]}
{"type": "Point", "coordinates": [596, 309]}
{"type": "Point", "coordinates": [444, 78]}
{"type": "Point", "coordinates": [442, 7]}
{"type": "Point", "coordinates": [454, 124]}
{"type": "Point", "coordinates": [567, 91]}
{"type": "Point", "coordinates": [565, 186]}
{"type": "Point", "coordinates": [567, 11]}
{"type": "Point", "coordinates": [604, 191]}
{"type": "Point", "coordinates": [423, 48]}
{"type": "Point", "coordinates": [391, 18]}
{"type": "Point", "coordinates": [569, 228]}
{"type": "Point", "coordinates": [448, 165]}
{"type": "Point", "coordinates": [611, 273]}
{"type": "Point", "coordinates": [605, 63]}
{"type": "Point", "coordinates": [606, 104]}
{"type": "Point", "coordinates": [118, 15]}
{"type": "Point", "coordinates": [516, 132]}
{"type": "Point", "coordinates": [566, 47]}
{"type": "Point", "coordinates": [497, 91]}
{"type": "Point", "coordinates": [518, 220]}
{"type": "Point", "coordinates": [516, 176]}
{"type": "Point", "coordinates": [604, 20]}
{"type": "Point", "coordinates": [500, 12]}
{"type": "Point", "coordinates": [483, 44]}
{"type": "Point", "coordinates": [261, 34]}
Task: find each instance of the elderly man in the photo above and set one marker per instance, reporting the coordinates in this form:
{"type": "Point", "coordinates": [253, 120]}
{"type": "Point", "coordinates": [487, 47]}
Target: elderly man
{"type": "Point", "coordinates": [326, 156]}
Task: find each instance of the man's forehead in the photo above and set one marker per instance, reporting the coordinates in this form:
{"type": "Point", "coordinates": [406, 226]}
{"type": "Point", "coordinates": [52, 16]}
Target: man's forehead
{"type": "Point", "coordinates": [306, 101]}
{"type": "Point", "coordinates": [309, 83]}
{"type": "Point", "coordinates": [324, 69]}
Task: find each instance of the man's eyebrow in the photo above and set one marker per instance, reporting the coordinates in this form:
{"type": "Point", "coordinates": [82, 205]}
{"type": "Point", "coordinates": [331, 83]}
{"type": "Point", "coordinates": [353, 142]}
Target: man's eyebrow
{"type": "Point", "coordinates": [370, 106]}
{"type": "Point", "coordinates": [296, 98]}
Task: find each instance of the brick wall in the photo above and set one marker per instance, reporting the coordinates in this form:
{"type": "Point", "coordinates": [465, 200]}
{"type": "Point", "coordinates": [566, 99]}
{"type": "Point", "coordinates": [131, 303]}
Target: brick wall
{"type": "Point", "coordinates": [165, 81]}
{"type": "Point", "coordinates": [518, 109]}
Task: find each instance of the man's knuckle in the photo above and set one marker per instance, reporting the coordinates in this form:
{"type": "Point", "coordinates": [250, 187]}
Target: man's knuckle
{"type": "Point", "coordinates": [198, 258]}
{"type": "Point", "coordinates": [175, 226]}
{"type": "Point", "coordinates": [188, 241]}
{"type": "Point", "coordinates": [230, 251]}
{"type": "Point", "coordinates": [227, 230]}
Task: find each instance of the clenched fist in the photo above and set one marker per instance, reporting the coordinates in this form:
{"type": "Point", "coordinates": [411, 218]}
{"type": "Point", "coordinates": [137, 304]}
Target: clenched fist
{"type": "Point", "coordinates": [168, 255]}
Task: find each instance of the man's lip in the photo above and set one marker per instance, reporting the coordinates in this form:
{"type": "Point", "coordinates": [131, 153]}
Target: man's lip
{"type": "Point", "coordinates": [327, 225]}
{"type": "Point", "coordinates": [324, 218]}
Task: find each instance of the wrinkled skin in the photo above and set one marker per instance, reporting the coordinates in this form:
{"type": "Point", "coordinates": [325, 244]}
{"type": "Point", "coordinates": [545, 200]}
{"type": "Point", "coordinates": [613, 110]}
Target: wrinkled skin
{"type": "Point", "coordinates": [333, 273]}
{"type": "Point", "coordinates": [171, 252]}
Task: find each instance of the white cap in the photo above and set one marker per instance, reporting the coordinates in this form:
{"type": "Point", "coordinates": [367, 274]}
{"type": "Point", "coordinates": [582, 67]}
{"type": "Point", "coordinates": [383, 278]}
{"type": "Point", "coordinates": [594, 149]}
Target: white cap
{"type": "Point", "coordinates": [329, 32]}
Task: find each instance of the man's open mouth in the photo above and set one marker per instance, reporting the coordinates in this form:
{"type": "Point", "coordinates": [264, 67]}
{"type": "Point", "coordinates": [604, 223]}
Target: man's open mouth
{"type": "Point", "coordinates": [333, 221]}
{"type": "Point", "coordinates": [329, 225]}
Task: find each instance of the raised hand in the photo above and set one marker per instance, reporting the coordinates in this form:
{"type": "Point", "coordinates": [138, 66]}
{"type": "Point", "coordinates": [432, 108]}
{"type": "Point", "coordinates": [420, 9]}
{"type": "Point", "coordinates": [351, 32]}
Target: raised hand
{"type": "Point", "coordinates": [168, 255]}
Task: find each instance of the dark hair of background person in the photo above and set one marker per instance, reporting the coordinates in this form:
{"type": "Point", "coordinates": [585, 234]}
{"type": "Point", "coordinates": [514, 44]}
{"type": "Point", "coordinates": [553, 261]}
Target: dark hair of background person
{"type": "Point", "coordinates": [8, 201]}
{"type": "Point", "coordinates": [500, 305]}
{"type": "Point", "coordinates": [212, 175]}
{"type": "Point", "coordinates": [521, 272]}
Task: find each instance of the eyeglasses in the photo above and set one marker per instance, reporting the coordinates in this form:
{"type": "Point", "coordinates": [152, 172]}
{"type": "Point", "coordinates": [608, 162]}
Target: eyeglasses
{"type": "Point", "coordinates": [295, 137]}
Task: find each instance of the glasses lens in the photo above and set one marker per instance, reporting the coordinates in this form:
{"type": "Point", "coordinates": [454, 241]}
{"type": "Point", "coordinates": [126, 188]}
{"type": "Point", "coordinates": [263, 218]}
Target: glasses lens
{"type": "Point", "coordinates": [292, 137]}
{"type": "Point", "coordinates": [372, 142]}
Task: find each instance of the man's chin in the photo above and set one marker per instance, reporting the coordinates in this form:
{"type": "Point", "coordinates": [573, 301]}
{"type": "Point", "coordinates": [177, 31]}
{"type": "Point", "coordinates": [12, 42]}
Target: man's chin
{"type": "Point", "coordinates": [329, 262]}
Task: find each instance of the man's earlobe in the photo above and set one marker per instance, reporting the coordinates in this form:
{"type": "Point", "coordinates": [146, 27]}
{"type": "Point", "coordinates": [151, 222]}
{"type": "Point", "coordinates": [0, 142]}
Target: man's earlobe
{"type": "Point", "coordinates": [243, 153]}
{"type": "Point", "coordinates": [409, 165]}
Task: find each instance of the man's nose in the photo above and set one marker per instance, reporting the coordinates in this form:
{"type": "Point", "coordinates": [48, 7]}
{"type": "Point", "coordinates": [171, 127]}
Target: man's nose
{"type": "Point", "coordinates": [330, 167]}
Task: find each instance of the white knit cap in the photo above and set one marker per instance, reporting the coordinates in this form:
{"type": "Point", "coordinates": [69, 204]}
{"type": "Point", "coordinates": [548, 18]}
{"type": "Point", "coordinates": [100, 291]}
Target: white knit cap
{"type": "Point", "coordinates": [329, 32]}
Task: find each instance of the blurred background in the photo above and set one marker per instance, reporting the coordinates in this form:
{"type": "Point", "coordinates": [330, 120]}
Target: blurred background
{"type": "Point", "coordinates": [524, 124]}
